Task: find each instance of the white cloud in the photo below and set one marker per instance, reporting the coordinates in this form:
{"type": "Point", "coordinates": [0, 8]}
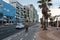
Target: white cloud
{"type": "Point", "coordinates": [6, 1]}
{"type": "Point", "coordinates": [55, 11]}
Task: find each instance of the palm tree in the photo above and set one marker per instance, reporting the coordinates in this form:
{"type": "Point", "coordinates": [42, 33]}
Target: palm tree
{"type": "Point", "coordinates": [45, 10]}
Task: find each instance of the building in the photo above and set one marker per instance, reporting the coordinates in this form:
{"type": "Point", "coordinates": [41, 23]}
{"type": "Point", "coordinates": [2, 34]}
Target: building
{"type": "Point", "coordinates": [7, 12]}
{"type": "Point", "coordinates": [13, 3]}
{"type": "Point", "coordinates": [19, 10]}
{"type": "Point", "coordinates": [34, 13]}
{"type": "Point", "coordinates": [30, 13]}
{"type": "Point", "coordinates": [26, 13]}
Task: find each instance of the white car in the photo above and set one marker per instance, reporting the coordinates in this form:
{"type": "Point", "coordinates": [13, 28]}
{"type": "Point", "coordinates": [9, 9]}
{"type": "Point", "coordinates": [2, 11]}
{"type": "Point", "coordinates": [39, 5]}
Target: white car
{"type": "Point", "coordinates": [6, 24]}
{"type": "Point", "coordinates": [19, 25]}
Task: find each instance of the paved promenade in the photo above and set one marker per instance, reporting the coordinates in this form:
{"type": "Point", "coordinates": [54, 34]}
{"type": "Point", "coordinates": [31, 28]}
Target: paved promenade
{"type": "Point", "coordinates": [51, 34]}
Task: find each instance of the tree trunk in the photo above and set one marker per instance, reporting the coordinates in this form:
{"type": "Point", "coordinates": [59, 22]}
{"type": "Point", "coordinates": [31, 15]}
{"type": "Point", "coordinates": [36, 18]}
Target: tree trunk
{"type": "Point", "coordinates": [45, 24]}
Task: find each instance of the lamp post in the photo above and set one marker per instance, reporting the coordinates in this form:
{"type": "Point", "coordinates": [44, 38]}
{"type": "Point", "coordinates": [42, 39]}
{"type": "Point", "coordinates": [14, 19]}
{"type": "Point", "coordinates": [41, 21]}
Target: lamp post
{"type": "Point", "coordinates": [5, 18]}
{"type": "Point", "coordinates": [57, 23]}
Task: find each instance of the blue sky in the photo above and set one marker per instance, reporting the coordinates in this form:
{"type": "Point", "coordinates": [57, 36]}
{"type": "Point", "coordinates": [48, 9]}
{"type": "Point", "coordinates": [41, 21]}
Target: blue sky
{"type": "Point", "coordinates": [54, 8]}
{"type": "Point", "coordinates": [34, 2]}
{"type": "Point", "coordinates": [26, 2]}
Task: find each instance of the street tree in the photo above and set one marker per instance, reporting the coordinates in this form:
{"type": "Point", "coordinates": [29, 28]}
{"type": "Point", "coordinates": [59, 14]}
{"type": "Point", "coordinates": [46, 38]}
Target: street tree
{"type": "Point", "coordinates": [45, 10]}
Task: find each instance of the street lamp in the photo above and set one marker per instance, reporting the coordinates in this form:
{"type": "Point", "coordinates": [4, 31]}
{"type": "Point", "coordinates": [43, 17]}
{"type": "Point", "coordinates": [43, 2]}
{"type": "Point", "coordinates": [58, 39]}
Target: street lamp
{"type": "Point", "coordinates": [57, 23]}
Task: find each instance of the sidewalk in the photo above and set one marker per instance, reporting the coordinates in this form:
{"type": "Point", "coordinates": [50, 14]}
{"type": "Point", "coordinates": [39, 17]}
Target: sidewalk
{"type": "Point", "coordinates": [50, 34]}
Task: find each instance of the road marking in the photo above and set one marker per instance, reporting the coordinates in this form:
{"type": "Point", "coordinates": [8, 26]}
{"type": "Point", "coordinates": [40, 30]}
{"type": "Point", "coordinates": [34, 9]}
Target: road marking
{"type": "Point", "coordinates": [29, 28]}
{"type": "Point", "coordinates": [14, 36]}
{"type": "Point", "coordinates": [19, 33]}
{"type": "Point", "coordinates": [10, 37]}
{"type": "Point", "coordinates": [21, 39]}
{"type": "Point", "coordinates": [34, 36]}
{"type": "Point", "coordinates": [26, 34]}
{"type": "Point", "coordinates": [33, 39]}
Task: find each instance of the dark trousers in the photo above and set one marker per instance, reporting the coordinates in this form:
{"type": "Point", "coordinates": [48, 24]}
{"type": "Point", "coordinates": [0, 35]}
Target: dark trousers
{"type": "Point", "coordinates": [26, 29]}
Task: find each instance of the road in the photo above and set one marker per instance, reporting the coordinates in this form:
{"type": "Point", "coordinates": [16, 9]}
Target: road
{"type": "Point", "coordinates": [7, 31]}
{"type": "Point", "coordinates": [30, 35]}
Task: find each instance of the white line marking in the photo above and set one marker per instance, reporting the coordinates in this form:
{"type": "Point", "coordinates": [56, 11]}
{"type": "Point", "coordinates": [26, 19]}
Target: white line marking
{"type": "Point", "coordinates": [29, 28]}
{"type": "Point", "coordinates": [10, 37]}
{"type": "Point", "coordinates": [33, 39]}
{"type": "Point", "coordinates": [14, 36]}
{"type": "Point", "coordinates": [34, 36]}
{"type": "Point", "coordinates": [21, 39]}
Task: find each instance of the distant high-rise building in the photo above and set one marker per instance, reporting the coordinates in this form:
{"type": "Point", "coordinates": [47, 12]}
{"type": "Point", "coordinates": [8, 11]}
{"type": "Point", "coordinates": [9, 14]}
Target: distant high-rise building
{"type": "Point", "coordinates": [31, 13]}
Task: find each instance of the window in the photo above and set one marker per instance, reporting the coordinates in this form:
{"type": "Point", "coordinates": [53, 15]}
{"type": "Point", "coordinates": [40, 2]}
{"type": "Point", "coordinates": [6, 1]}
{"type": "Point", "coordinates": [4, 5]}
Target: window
{"type": "Point", "coordinates": [10, 21]}
{"type": "Point", "coordinates": [1, 15]}
{"type": "Point", "coordinates": [4, 8]}
{"type": "Point", "coordinates": [24, 8]}
{"type": "Point", "coordinates": [7, 9]}
{"type": "Point", "coordinates": [0, 3]}
{"type": "Point", "coordinates": [21, 8]}
{"type": "Point", "coordinates": [10, 18]}
{"type": "Point", "coordinates": [21, 13]}
{"type": "Point", "coordinates": [17, 7]}
{"type": "Point", "coordinates": [24, 11]}
{"type": "Point", "coordinates": [17, 13]}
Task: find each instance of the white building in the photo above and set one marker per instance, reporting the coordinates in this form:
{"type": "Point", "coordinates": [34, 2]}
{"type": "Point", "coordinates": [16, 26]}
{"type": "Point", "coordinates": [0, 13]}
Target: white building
{"type": "Point", "coordinates": [13, 2]}
{"type": "Point", "coordinates": [19, 10]}
{"type": "Point", "coordinates": [31, 13]}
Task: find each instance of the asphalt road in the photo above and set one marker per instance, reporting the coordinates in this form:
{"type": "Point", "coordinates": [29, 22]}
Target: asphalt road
{"type": "Point", "coordinates": [30, 35]}
{"type": "Point", "coordinates": [6, 31]}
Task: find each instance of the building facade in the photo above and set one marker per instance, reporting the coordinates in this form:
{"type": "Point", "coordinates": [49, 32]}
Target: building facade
{"type": "Point", "coordinates": [26, 13]}
{"type": "Point", "coordinates": [7, 12]}
{"type": "Point", "coordinates": [19, 10]}
{"type": "Point", "coordinates": [33, 13]}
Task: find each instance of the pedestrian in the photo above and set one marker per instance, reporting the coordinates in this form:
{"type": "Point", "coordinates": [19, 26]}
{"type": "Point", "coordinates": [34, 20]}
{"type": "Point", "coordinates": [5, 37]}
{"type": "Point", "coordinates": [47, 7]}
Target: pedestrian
{"type": "Point", "coordinates": [26, 26]}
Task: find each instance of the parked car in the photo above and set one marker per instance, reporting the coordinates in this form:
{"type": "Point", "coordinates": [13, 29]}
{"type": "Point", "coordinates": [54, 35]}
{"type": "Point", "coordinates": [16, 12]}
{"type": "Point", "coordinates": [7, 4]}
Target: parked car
{"type": "Point", "coordinates": [19, 26]}
{"type": "Point", "coordinates": [6, 24]}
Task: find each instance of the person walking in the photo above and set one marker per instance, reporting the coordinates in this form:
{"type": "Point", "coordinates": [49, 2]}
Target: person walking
{"type": "Point", "coordinates": [26, 26]}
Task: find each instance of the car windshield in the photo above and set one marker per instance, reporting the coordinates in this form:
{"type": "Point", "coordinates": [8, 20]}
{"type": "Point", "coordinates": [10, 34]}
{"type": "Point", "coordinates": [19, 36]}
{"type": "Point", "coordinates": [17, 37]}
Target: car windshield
{"type": "Point", "coordinates": [19, 24]}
